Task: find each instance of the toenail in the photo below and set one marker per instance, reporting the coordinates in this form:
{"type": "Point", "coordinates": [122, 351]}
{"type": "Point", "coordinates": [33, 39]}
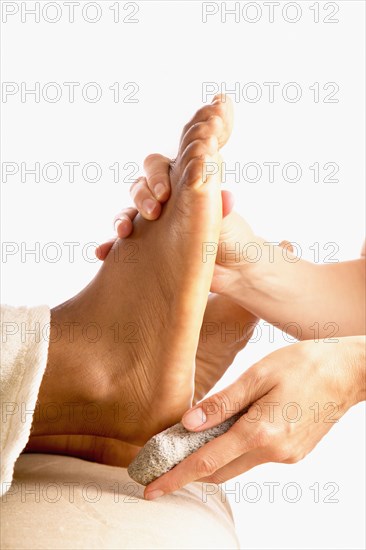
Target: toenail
{"type": "Point", "coordinates": [194, 419]}
{"type": "Point", "coordinates": [148, 206]}
{"type": "Point", "coordinates": [159, 190]}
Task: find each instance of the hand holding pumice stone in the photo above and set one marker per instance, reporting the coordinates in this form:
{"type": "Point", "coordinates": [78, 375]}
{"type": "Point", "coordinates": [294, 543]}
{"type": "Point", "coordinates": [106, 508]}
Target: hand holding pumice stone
{"type": "Point", "coordinates": [168, 448]}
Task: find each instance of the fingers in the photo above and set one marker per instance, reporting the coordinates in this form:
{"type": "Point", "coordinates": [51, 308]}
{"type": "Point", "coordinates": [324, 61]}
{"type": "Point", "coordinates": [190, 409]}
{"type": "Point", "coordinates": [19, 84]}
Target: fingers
{"type": "Point", "coordinates": [207, 460]}
{"type": "Point", "coordinates": [157, 174]}
{"type": "Point", "coordinates": [251, 433]}
{"type": "Point", "coordinates": [123, 222]}
{"type": "Point", "coordinates": [146, 203]}
{"type": "Point", "coordinates": [140, 193]}
{"type": "Point", "coordinates": [237, 467]}
{"type": "Point", "coordinates": [249, 387]}
{"type": "Point", "coordinates": [103, 250]}
{"type": "Point", "coordinates": [123, 227]}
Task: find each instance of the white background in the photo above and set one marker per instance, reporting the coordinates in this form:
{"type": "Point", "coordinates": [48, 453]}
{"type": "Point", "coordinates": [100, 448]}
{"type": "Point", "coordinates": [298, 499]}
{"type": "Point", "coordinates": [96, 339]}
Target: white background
{"type": "Point", "coordinates": [169, 52]}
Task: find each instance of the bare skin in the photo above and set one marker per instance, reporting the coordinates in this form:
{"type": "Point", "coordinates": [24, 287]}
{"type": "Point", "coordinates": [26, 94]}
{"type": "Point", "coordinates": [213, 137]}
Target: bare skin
{"type": "Point", "coordinates": [216, 351]}
{"type": "Point", "coordinates": [272, 284]}
{"type": "Point", "coordinates": [216, 463]}
{"type": "Point", "coordinates": [294, 396]}
{"type": "Point", "coordinates": [304, 376]}
{"type": "Point", "coordinates": [163, 296]}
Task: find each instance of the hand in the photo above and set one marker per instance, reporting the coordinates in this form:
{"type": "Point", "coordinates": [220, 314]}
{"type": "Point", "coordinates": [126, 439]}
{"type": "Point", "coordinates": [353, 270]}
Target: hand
{"type": "Point", "coordinates": [293, 397]}
{"type": "Point", "coordinates": [149, 203]}
{"type": "Point", "coordinates": [150, 192]}
{"type": "Point", "coordinates": [260, 277]}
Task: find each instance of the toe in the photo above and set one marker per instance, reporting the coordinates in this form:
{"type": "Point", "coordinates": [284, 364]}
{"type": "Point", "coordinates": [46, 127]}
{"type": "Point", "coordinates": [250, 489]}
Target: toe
{"type": "Point", "coordinates": [214, 126]}
{"type": "Point", "coordinates": [198, 149]}
{"type": "Point", "coordinates": [221, 107]}
{"type": "Point", "coordinates": [199, 171]}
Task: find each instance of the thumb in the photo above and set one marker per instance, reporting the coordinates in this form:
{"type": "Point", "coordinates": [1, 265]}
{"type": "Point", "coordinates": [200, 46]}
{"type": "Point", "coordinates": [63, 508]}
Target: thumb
{"type": "Point", "coordinates": [222, 405]}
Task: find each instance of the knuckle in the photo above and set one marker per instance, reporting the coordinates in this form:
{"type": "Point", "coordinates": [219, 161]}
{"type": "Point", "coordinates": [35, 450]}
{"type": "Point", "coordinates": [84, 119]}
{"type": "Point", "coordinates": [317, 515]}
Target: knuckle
{"type": "Point", "coordinates": [256, 377]}
{"type": "Point", "coordinates": [260, 372]}
{"type": "Point", "coordinates": [205, 466]}
{"type": "Point", "coordinates": [262, 437]}
{"type": "Point", "coordinates": [223, 404]}
{"type": "Point", "coordinates": [151, 159]}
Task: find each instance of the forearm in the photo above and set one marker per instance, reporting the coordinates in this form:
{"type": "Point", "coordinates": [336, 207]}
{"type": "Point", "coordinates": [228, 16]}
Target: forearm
{"type": "Point", "coordinates": [306, 300]}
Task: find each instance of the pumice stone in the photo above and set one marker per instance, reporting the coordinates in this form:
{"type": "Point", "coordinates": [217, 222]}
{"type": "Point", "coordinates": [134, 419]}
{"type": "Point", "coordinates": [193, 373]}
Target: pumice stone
{"type": "Point", "coordinates": [168, 448]}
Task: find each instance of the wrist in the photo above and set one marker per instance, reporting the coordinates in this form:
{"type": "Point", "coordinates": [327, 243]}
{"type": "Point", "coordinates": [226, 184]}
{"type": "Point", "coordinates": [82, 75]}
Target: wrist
{"type": "Point", "coordinates": [267, 274]}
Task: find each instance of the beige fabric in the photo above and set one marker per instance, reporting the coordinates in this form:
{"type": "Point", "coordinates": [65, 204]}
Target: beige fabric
{"type": "Point", "coordinates": [59, 502]}
{"type": "Point", "coordinates": [24, 346]}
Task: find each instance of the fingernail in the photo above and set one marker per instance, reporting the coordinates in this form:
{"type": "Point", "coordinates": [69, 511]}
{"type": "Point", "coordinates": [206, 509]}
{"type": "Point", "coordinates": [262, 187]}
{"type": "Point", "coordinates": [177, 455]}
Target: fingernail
{"type": "Point", "coordinates": [148, 206]}
{"type": "Point", "coordinates": [154, 494]}
{"type": "Point", "coordinates": [194, 419]}
{"type": "Point", "coordinates": [159, 190]}
{"type": "Point", "coordinates": [117, 222]}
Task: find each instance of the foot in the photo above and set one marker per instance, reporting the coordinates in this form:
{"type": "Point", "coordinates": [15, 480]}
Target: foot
{"type": "Point", "coordinates": [225, 330]}
{"type": "Point", "coordinates": [238, 248]}
{"type": "Point", "coordinates": [153, 289]}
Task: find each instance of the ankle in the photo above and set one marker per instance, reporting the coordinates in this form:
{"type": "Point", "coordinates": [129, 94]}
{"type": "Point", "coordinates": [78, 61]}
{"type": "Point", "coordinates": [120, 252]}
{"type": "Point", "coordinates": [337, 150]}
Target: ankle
{"type": "Point", "coordinates": [61, 388]}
